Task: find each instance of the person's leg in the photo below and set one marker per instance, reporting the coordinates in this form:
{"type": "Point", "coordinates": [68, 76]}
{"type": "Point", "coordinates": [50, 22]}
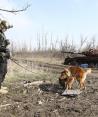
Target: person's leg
{"type": "Point", "coordinates": [4, 71]}
{"type": "Point", "coordinates": [1, 73]}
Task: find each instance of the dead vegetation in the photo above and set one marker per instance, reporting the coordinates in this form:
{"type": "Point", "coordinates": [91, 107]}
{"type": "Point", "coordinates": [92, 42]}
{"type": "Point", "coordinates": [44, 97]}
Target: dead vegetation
{"type": "Point", "coordinates": [25, 98]}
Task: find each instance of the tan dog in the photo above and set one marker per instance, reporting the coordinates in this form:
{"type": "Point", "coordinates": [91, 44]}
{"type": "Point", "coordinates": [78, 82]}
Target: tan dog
{"type": "Point", "coordinates": [72, 73]}
{"type": "Point", "coordinates": [66, 80]}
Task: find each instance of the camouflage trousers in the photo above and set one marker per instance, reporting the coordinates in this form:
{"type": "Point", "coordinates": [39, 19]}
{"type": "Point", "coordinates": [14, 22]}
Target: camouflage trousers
{"type": "Point", "coordinates": [3, 71]}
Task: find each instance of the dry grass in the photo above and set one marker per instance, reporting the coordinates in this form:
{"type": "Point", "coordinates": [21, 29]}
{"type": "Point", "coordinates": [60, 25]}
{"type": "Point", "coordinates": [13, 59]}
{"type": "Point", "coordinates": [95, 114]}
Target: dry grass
{"type": "Point", "coordinates": [45, 59]}
{"type": "Point", "coordinates": [18, 74]}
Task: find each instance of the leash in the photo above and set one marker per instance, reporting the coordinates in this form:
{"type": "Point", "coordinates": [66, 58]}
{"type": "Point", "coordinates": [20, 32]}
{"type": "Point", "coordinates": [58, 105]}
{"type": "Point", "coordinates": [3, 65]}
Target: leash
{"type": "Point", "coordinates": [14, 60]}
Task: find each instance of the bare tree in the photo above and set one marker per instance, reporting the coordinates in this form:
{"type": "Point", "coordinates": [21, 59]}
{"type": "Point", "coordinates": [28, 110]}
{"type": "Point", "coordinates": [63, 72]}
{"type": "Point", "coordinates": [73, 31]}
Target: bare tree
{"type": "Point", "coordinates": [38, 42]}
{"type": "Point", "coordinates": [82, 42]}
{"type": "Point", "coordinates": [90, 44]}
{"type": "Point", "coordinates": [51, 43]}
{"type": "Point", "coordinates": [45, 41]}
{"type": "Point", "coordinates": [93, 42]}
{"type": "Point", "coordinates": [66, 46]}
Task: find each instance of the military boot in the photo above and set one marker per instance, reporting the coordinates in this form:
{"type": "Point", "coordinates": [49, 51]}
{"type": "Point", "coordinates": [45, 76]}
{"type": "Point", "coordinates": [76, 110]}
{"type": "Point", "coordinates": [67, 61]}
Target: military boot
{"type": "Point", "coordinates": [3, 90]}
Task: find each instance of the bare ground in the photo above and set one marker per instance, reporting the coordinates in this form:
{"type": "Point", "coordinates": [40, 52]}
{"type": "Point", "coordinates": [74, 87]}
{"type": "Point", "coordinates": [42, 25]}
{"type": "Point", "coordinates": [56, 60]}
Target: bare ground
{"type": "Point", "coordinates": [45, 100]}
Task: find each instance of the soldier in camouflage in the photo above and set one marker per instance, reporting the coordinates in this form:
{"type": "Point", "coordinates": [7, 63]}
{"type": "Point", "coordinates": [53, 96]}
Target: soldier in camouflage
{"type": "Point", "coordinates": [4, 52]}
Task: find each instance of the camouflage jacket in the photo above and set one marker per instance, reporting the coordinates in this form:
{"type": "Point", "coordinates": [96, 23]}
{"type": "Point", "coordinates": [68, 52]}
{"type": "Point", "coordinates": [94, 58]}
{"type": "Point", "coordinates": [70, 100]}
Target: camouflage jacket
{"type": "Point", "coordinates": [3, 45]}
{"type": "Point", "coordinates": [2, 39]}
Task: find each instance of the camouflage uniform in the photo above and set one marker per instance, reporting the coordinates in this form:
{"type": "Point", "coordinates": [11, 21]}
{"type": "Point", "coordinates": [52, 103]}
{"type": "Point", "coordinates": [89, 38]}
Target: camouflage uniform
{"type": "Point", "coordinates": [4, 55]}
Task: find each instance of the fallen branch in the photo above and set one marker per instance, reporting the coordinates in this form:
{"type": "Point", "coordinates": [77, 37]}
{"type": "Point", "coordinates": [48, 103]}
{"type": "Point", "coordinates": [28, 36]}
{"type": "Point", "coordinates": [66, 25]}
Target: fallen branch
{"type": "Point", "coordinates": [5, 105]}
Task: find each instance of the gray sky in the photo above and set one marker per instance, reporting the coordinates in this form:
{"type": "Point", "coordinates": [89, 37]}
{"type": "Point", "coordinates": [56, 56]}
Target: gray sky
{"type": "Point", "coordinates": [59, 18]}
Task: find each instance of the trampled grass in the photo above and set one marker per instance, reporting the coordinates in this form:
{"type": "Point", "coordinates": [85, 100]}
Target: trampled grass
{"type": "Point", "coordinates": [18, 74]}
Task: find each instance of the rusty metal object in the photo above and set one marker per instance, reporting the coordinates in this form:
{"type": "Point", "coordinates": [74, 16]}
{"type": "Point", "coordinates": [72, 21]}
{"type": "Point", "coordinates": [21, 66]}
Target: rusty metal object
{"type": "Point", "coordinates": [89, 58]}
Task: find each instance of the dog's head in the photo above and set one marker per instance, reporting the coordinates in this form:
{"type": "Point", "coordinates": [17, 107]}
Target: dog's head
{"type": "Point", "coordinates": [65, 74]}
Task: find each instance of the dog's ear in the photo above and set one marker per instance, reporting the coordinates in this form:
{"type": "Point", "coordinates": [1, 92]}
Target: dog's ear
{"type": "Point", "coordinates": [67, 71]}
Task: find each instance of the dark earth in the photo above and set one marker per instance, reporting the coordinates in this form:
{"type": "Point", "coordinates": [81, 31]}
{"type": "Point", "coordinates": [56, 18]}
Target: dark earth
{"type": "Point", "coordinates": [45, 100]}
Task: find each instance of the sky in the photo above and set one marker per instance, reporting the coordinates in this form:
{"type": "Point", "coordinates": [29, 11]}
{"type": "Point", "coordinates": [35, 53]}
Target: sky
{"type": "Point", "coordinates": [57, 19]}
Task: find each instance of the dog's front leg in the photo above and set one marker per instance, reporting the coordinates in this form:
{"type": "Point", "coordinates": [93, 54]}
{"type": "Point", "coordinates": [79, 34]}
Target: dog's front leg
{"type": "Point", "coordinates": [82, 86]}
{"type": "Point", "coordinates": [66, 86]}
